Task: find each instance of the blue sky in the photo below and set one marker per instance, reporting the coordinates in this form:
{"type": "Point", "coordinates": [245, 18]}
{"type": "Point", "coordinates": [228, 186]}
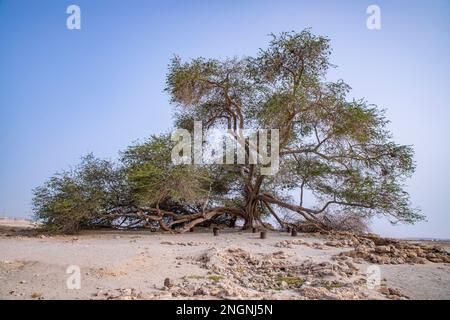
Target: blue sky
{"type": "Point", "coordinates": [64, 93]}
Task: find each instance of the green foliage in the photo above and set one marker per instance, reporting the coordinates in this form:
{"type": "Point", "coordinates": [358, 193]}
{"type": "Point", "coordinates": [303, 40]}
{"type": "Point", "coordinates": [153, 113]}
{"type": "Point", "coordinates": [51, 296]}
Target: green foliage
{"type": "Point", "coordinates": [154, 178]}
{"type": "Point", "coordinates": [290, 281]}
{"type": "Point", "coordinates": [78, 198]}
{"type": "Point", "coordinates": [215, 277]}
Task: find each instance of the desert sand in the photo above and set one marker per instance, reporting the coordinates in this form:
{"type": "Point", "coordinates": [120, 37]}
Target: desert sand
{"type": "Point", "coordinates": [198, 265]}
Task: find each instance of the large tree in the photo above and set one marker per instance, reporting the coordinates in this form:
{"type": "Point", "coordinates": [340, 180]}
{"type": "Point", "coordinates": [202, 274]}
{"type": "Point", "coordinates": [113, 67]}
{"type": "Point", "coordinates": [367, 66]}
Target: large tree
{"type": "Point", "coordinates": [336, 150]}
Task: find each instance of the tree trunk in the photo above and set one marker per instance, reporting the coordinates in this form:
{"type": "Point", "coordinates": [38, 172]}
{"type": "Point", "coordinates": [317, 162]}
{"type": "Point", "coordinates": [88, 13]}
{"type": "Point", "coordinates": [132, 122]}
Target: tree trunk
{"type": "Point", "coordinates": [251, 212]}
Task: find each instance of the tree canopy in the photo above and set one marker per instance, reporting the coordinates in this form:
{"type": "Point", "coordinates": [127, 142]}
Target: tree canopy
{"type": "Point", "coordinates": [333, 150]}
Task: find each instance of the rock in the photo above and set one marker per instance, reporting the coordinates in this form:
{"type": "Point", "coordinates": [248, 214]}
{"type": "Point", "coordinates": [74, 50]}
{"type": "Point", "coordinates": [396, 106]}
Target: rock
{"type": "Point", "coordinates": [420, 260]}
{"type": "Point", "coordinates": [333, 243]}
{"type": "Point", "coordinates": [392, 293]}
{"type": "Point", "coordinates": [166, 295]}
{"type": "Point", "coordinates": [358, 260]}
{"type": "Point", "coordinates": [382, 249]}
{"type": "Point", "coordinates": [168, 282]}
{"type": "Point", "coordinates": [351, 265]}
{"type": "Point", "coordinates": [127, 291]}
{"type": "Point", "coordinates": [280, 255]}
{"type": "Point", "coordinates": [395, 292]}
{"type": "Point", "coordinates": [384, 259]}
{"type": "Point", "coordinates": [202, 291]}
{"type": "Point", "coordinates": [325, 264]}
{"type": "Point", "coordinates": [390, 251]}
{"type": "Point", "coordinates": [36, 295]}
{"type": "Point", "coordinates": [291, 243]}
{"type": "Point", "coordinates": [327, 273]}
{"type": "Point", "coordinates": [362, 249]}
{"type": "Point", "coordinates": [369, 243]}
{"type": "Point", "coordinates": [261, 275]}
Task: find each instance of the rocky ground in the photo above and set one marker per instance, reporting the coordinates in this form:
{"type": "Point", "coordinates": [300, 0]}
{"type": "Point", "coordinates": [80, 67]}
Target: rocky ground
{"type": "Point", "coordinates": [233, 265]}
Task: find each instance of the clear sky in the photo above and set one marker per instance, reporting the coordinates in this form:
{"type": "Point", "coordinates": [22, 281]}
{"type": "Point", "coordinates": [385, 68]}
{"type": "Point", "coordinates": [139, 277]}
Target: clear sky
{"type": "Point", "coordinates": [64, 93]}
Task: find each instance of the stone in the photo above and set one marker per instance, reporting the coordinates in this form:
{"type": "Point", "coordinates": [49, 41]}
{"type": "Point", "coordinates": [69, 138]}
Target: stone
{"type": "Point", "coordinates": [420, 260]}
{"type": "Point", "coordinates": [280, 255]}
{"type": "Point", "coordinates": [168, 282]}
{"type": "Point", "coordinates": [333, 243]}
{"type": "Point", "coordinates": [36, 295]}
{"type": "Point", "coordinates": [168, 243]}
{"type": "Point", "coordinates": [327, 273]}
{"type": "Point", "coordinates": [382, 249]}
{"type": "Point", "coordinates": [127, 292]}
{"type": "Point", "coordinates": [383, 259]}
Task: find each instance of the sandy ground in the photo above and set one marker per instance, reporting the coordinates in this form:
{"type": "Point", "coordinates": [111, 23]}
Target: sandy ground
{"type": "Point", "coordinates": [117, 264]}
